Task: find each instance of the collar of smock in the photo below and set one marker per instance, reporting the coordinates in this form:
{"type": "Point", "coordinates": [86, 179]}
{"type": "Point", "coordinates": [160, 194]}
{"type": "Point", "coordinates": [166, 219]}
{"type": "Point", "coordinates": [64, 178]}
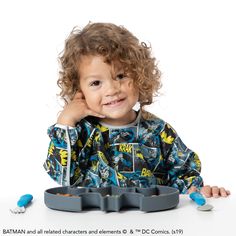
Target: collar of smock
{"type": "Point", "coordinates": [132, 124]}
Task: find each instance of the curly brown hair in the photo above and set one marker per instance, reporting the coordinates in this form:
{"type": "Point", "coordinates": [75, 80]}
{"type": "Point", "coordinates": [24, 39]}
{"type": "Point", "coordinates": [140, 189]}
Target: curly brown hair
{"type": "Point", "coordinates": [114, 43]}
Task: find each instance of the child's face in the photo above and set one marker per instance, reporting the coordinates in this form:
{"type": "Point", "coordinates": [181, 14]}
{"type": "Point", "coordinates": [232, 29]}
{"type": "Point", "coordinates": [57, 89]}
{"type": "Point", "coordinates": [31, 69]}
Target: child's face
{"type": "Point", "coordinates": [107, 90]}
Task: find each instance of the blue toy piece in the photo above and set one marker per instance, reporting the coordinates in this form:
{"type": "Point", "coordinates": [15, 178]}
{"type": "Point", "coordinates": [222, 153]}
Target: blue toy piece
{"type": "Point", "coordinates": [198, 198]}
{"type": "Point", "coordinates": [24, 200]}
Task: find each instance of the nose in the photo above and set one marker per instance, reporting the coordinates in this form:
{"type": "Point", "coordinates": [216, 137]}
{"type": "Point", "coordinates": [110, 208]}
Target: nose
{"type": "Point", "coordinates": [112, 88]}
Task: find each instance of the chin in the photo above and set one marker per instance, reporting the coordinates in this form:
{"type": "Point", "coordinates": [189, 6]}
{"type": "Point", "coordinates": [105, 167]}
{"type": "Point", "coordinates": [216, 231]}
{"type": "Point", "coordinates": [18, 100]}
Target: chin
{"type": "Point", "coordinates": [115, 115]}
{"type": "Point", "coordinates": [118, 116]}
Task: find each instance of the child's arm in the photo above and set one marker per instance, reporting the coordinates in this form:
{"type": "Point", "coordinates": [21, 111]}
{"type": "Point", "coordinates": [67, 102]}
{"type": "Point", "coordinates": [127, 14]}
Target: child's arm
{"type": "Point", "coordinates": [56, 164]}
{"type": "Point", "coordinates": [69, 146]}
{"type": "Point", "coordinates": [68, 152]}
{"type": "Point", "coordinates": [182, 165]}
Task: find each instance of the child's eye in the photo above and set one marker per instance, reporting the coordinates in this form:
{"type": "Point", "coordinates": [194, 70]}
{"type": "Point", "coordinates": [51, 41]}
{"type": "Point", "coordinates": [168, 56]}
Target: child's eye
{"type": "Point", "coordinates": [95, 83]}
{"type": "Point", "coordinates": [120, 76]}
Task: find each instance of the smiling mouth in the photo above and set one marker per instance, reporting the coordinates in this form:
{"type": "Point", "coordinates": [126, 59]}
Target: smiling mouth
{"type": "Point", "coordinates": [115, 102]}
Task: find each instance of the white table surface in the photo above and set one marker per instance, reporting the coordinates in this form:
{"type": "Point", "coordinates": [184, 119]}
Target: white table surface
{"type": "Point", "coordinates": [184, 220]}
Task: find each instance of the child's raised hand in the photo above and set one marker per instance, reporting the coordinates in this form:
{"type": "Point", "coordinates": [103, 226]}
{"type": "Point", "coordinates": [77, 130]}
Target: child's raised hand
{"type": "Point", "coordinates": [76, 110]}
{"type": "Point", "coordinates": [213, 191]}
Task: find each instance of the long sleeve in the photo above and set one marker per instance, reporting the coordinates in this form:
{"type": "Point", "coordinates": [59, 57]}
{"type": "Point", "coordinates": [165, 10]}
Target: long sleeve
{"type": "Point", "coordinates": [67, 153]}
{"type": "Point", "coordinates": [182, 165]}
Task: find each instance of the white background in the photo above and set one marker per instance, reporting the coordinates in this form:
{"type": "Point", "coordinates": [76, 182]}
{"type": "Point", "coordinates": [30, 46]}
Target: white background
{"type": "Point", "coordinates": [194, 42]}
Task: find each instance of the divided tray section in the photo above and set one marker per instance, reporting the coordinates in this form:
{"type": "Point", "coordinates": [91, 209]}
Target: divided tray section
{"type": "Point", "coordinates": [113, 198]}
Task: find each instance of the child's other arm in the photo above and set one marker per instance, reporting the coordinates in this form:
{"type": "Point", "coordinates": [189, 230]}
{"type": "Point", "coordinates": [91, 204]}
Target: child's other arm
{"type": "Point", "coordinates": [183, 165]}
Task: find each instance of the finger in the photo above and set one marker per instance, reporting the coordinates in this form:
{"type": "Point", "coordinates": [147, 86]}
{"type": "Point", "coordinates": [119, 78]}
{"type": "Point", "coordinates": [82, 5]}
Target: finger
{"type": "Point", "coordinates": [78, 95]}
{"type": "Point", "coordinates": [223, 192]}
{"type": "Point", "coordinates": [215, 191]}
{"type": "Point", "coordinates": [206, 191]}
{"type": "Point", "coordinates": [192, 189]}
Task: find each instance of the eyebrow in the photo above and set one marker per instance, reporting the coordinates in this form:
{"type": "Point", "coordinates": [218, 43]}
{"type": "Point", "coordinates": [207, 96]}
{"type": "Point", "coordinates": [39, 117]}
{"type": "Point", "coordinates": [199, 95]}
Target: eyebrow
{"type": "Point", "coordinates": [92, 76]}
{"type": "Point", "coordinates": [97, 76]}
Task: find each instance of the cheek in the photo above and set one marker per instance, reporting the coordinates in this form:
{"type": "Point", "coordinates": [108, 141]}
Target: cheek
{"type": "Point", "coordinates": [92, 99]}
{"type": "Point", "coordinates": [130, 84]}
{"type": "Point", "coordinates": [132, 90]}
{"type": "Point", "coordinates": [136, 95]}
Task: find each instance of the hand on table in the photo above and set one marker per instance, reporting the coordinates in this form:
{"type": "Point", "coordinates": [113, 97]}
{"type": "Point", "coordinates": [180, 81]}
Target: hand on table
{"type": "Point", "coordinates": [209, 191]}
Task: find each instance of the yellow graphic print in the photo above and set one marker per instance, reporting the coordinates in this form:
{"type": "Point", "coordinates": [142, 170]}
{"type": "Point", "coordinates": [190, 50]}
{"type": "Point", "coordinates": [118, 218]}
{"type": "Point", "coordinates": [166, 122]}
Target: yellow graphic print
{"type": "Point", "coordinates": [89, 142]}
{"type": "Point", "coordinates": [197, 161]}
{"type": "Point", "coordinates": [51, 149]}
{"type": "Point", "coordinates": [180, 154]}
{"type": "Point", "coordinates": [120, 176]}
{"type": "Point", "coordinates": [166, 139]}
{"type": "Point", "coordinates": [140, 155]}
{"type": "Point", "coordinates": [161, 158]}
{"type": "Point", "coordinates": [94, 166]}
{"type": "Point", "coordinates": [146, 172]}
{"type": "Point", "coordinates": [73, 155]}
{"type": "Point", "coordinates": [125, 148]}
{"type": "Point", "coordinates": [190, 179]}
{"type": "Point", "coordinates": [48, 164]}
{"type": "Point", "coordinates": [102, 156]}
{"type": "Point", "coordinates": [63, 155]}
{"type": "Point", "coordinates": [79, 143]}
{"type": "Point", "coordinates": [102, 128]}
{"type": "Point", "coordinates": [106, 145]}
{"type": "Point", "coordinates": [77, 172]}
{"type": "Point", "coordinates": [160, 181]}
{"type": "Point", "coordinates": [97, 137]}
